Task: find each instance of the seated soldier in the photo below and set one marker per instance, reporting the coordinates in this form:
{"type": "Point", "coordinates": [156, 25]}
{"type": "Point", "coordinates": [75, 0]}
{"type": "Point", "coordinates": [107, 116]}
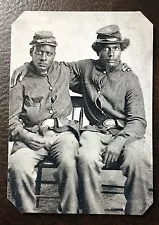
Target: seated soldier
{"type": "Point", "coordinates": [38, 125]}
{"type": "Point", "coordinates": [114, 106]}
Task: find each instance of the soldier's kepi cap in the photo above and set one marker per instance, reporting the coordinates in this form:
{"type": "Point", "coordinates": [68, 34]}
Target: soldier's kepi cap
{"type": "Point", "coordinates": [44, 38]}
{"type": "Point", "coordinates": [110, 35]}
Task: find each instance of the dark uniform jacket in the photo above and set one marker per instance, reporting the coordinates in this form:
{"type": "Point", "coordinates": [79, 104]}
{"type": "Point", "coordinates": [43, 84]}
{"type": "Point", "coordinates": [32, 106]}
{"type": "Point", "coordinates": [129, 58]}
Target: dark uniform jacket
{"type": "Point", "coordinates": [37, 98]}
{"type": "Point", "coordinates": [115, 95]}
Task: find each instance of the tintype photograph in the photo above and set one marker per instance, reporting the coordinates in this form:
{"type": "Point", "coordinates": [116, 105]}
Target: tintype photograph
{"type": "Point", "coordinates": [80, 113]}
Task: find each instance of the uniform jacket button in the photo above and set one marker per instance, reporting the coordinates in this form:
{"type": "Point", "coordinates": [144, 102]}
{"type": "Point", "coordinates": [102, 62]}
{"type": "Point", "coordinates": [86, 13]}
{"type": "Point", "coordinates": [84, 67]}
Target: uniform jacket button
{"type": "Point", "coordinates": [50, 111]}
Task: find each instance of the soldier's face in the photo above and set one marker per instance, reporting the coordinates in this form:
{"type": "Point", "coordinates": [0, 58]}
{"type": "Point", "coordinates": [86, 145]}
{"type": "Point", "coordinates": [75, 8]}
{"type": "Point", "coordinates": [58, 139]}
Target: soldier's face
{"type": "Point", "coordinates": [43, 57]}
{"type": "Point", "coordinates": [110, 55]}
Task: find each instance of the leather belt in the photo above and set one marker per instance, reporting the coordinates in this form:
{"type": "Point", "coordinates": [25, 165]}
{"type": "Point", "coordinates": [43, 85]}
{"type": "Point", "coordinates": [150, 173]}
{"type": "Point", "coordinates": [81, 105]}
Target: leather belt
{"type": "Point", "coordinates": [47, 124]}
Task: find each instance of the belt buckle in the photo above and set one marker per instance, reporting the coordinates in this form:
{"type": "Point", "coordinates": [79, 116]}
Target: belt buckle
{"type": "Point", "coordinates": [109, 123]}
{"type": "Point", "coordinates": [49, 123]}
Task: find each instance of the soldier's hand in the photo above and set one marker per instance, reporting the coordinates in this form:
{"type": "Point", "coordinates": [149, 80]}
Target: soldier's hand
{"type": "Point", "coordinates": [50, 137]}
{"type": "Point", "coordinates": [33, 140]}
{"type": "Point", "coordinates": [19, 74]}
{"type": "Point", "coordinates": [125, 67]}
{"type": "Point", "coordinates": [113, 151]}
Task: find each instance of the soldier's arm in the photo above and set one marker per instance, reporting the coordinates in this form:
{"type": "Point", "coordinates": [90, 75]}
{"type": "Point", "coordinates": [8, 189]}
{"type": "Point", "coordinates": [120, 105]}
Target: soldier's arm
{"type": "Point", "coordinates": [75, 76]}
{"type": "Point", "coordinates": [19, 73]}
{"type": "Point", "coordinates": [15, 108]}
{"type": "Point", "coordinates": [17, 131]}
{"type": "Point", "coordinates": [136, 123]}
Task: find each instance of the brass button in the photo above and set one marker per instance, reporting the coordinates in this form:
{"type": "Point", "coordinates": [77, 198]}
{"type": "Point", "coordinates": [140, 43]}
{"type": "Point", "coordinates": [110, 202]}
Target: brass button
{"type": "Point", "coordinates": [53, 99]}
{"type": "Point", "coordinates": [50, 111]}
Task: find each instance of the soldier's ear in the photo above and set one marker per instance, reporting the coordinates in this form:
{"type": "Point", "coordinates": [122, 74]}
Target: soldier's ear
{"type": "Point", "coordinates": [31, 51]}
{"type": "Point", "coordinates": [54, 51]}
{"type": "Point", "coordinates": [99, 53]}
{"type": "Point", "coordinates": [125, 44]}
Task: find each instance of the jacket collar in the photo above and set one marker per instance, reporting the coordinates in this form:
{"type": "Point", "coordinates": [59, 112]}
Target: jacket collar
{"type": "Point", "coordinates": [100, 68]}
{"type": "Point", "coordinates": [34, 72]}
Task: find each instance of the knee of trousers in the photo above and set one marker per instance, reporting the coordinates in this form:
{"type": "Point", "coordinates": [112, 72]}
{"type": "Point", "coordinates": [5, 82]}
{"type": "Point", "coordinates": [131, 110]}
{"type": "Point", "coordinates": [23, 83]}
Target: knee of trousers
{"type": "Point", "coordinates": [86, 158]}
{"type": "Point", "coordinates": [88, 153]}
{"type": "Point", "coordinates": [20, 166]}
{"type": "Point", "coordinates": [69, 140]}
{"type": "Point", "coordinates": [89, 138]}
{"type": "Point", "coordinates": [68, 164]}
{"type": "Point", "coordinates": [136, 159]}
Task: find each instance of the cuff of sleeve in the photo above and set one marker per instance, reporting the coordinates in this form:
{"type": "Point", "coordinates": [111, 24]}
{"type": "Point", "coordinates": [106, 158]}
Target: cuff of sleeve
{"type": "Point", "coordinates": [18, 134]}
{"type": "Point", "coordinates": [128, 137]}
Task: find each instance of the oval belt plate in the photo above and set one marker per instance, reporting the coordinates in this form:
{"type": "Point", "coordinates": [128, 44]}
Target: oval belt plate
{"type": "Point", "coordinates": [48, 123]}
{"type": "Point", "coordinates": [109, 123]}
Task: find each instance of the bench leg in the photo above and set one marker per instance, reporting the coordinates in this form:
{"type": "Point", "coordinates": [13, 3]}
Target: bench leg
{"type": "Point", "coordinates": [38, 186]}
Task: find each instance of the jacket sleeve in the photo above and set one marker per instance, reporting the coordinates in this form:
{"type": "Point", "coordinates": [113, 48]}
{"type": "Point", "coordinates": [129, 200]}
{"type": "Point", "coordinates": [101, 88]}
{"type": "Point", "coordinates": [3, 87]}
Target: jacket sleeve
{"type": "Point", "coordinates": [15, 108]}
{"type": "Point", "coordinates": [75, 76]}
{"type": "Point", "coordinates": [134, 106]}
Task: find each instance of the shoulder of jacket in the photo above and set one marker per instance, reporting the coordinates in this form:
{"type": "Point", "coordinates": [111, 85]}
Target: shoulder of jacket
{"type": "Point", "coordinates": [131, 80]}
{"type": "Point", "coordinates": [86, 61]}
{"type": "Point", "coordinates": [130, 75]}
{"type": "Point", "coordinates": [85, 64]}
{"type": "Point", "coordinates": [129, 72]}
{"type": "Point", "coordinates": [56, 64]}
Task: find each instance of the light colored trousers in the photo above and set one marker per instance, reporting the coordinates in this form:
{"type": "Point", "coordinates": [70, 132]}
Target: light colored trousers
{"type": "Point", "coordinates": [134, 162]}
{"type": "Point", "coordinates": [22, 174]}
{"type": "Point", "coordinates": [79, 174]}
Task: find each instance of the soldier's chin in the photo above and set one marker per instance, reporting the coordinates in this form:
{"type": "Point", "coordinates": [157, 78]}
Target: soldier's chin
{"type": "Point", "coordinates": [112, 64]}
{"type": "Point", "coordinates": [42, 67]}
{"type": "Point", "coordinates": [42, 70]}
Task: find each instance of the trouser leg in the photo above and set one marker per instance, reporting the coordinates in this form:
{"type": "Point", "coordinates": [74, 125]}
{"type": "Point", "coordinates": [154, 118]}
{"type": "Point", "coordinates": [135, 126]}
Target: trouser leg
{"type": "Point", "coordinates": [89, 170]}
{"type": "Point", "coordinates": [22, 176]}
{"type": "Point", "coordinates": [64, 153]}
{"type": "Point", "coordinates": [136, 167]}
